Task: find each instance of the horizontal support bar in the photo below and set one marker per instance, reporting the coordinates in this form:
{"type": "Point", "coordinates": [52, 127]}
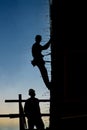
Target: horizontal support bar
{"type": "Point", "coordinates": [15, 101]}
{"type": "Point", "coordinates": [23, 115]}
{"type": "Point", "coordinates": [18, 115]}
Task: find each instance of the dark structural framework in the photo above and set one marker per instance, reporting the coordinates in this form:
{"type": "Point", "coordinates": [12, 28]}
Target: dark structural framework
{"type": "Point", "coordinates": [68, 93]}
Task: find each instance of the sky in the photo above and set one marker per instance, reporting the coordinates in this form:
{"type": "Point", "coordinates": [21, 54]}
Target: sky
{"type": "Point", "coordinates": [20, 22]}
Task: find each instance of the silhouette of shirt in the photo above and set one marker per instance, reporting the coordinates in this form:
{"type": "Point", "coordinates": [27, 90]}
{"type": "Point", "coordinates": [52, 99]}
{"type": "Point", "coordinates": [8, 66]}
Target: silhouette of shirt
{"type": "Point", "coordinates": [32, 108]}
{"type": "Point", "coordinates": [37, 49]}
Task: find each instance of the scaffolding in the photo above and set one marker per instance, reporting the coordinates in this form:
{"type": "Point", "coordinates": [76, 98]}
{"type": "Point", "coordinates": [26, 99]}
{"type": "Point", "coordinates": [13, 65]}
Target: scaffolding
{"type": "Point", "coordinates": [21, 115]}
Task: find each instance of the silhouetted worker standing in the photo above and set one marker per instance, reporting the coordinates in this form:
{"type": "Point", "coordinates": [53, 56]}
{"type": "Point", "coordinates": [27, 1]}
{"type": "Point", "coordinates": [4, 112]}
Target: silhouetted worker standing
{"type": "Point", "coordinates": [38, 58]}
{"type": "Point", "coordinates": [32, 111]}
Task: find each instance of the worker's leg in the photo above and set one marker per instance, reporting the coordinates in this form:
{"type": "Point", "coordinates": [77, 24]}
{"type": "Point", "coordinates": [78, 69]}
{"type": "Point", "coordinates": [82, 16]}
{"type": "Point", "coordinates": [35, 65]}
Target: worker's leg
{"type": "Point", "coordinates": [44, 75]}
{"type": "Point", "coordinates": [40, 124]}
{"type": "Point", "coordinates": [30, 124]}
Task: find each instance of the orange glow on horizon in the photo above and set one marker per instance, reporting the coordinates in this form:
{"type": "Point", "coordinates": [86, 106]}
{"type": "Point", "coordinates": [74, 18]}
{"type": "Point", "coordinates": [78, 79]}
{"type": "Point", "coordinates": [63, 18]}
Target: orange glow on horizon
{"type": "Point", "coordinates": [8, 122]}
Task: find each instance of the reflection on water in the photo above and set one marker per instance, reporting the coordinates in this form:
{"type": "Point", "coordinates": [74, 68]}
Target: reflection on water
{"type": "Point", "coordinates": [8, 128]}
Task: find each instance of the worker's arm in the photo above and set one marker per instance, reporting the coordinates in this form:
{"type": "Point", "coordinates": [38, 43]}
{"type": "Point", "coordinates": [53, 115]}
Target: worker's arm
{"type": "Point", "coordinates": [46, 45]}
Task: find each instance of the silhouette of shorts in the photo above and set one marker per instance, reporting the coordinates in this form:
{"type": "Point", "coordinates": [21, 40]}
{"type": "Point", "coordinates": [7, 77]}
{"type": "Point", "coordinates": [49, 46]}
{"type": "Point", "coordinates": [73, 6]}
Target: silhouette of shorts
{"type": "Point", "coordinates": [38, 62]}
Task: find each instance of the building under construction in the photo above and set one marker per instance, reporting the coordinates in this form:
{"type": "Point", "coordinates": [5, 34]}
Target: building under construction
{"type": "Point", "coordinates": [69, 65]}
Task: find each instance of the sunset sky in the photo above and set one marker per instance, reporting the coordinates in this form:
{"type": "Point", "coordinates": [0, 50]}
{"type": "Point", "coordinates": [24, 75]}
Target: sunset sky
{"type": "Point", "coordinates": [20, 21]}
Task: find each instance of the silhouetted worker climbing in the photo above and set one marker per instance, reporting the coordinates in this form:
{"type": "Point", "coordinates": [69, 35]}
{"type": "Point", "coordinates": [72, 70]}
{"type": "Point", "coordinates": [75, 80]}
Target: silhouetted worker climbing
{"type": "Point", "coordinates": [32, 111]}
{"type": "Point", "coordinates": [38, 58]}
